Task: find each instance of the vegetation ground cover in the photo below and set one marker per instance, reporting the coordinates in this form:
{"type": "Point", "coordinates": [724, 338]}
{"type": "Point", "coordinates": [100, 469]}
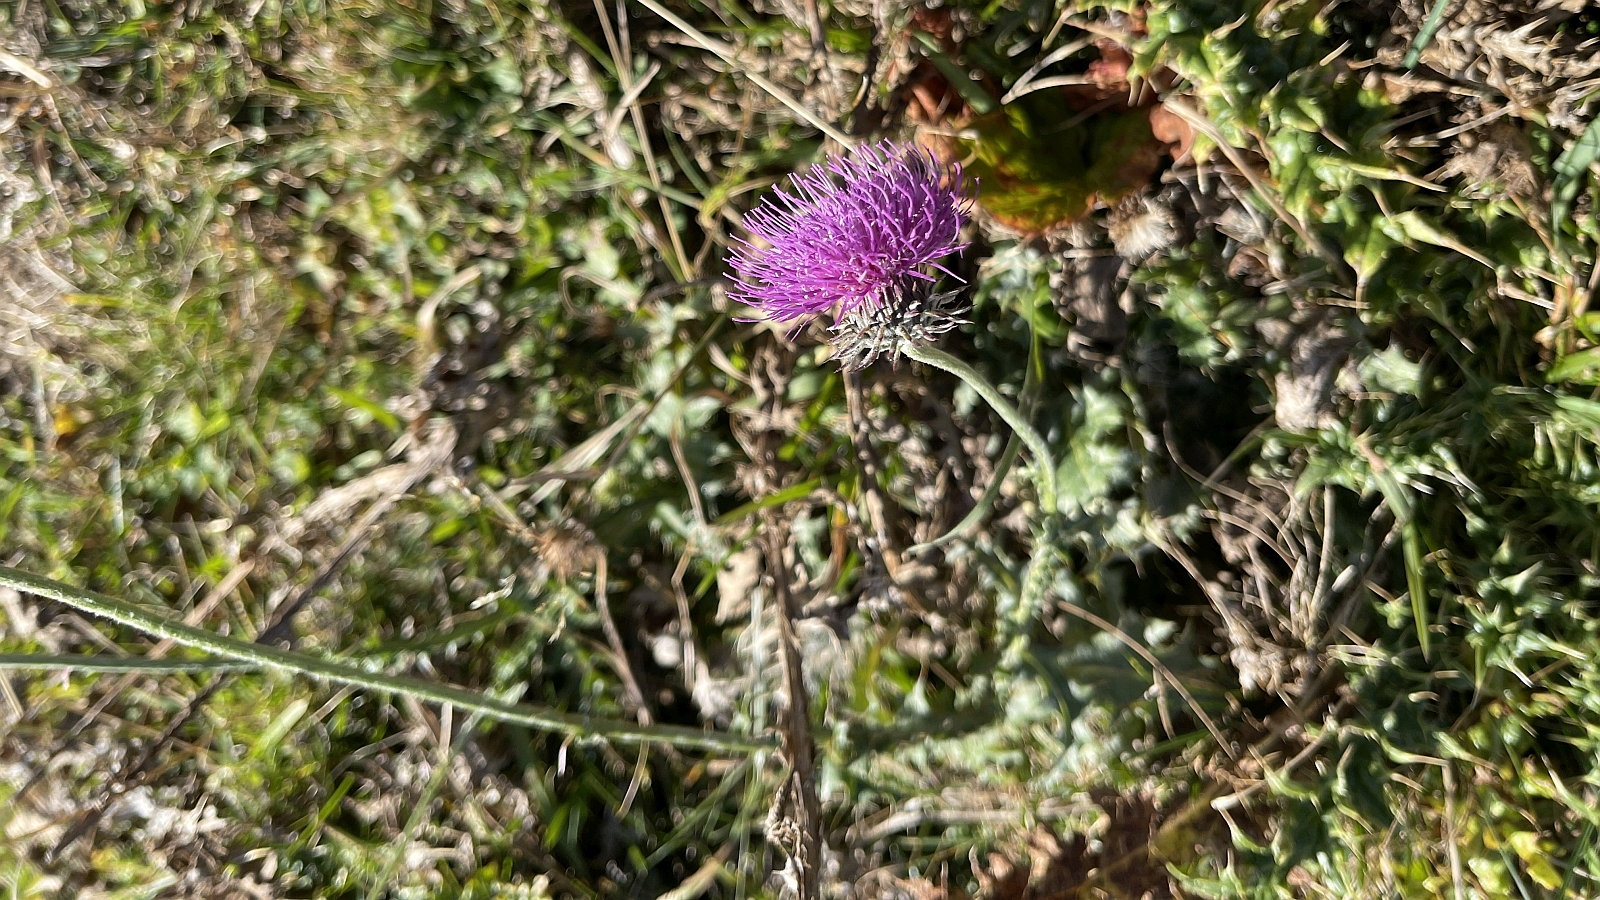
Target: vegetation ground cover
{"type": "Point", "coordinates": [397, 334]}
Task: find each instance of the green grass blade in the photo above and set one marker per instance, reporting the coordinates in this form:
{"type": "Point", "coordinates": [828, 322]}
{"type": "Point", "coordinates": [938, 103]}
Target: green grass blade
{"type": "Point", "coordinates": [1430, 27]}
{"type": "Point", "coordinates": [1570, 168]}
{"type": "Point", "coordinates": [975, 95]}
{"type": "Point", "coordinates": [777, 499]}
{"type": "Point", "coordinates": [327, 809]}
{"type": "Point", "coordinates": [1411, 542]}
{"type": "Point", "coordinates": [578, 726]}
{"type": "Point", "coordinates": [1399, 499]}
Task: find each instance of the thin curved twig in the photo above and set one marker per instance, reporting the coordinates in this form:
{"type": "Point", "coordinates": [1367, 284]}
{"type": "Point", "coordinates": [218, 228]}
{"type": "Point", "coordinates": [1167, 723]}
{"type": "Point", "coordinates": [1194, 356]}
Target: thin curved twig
{"type": "Point", "coordinates": [728, 55]}
{"type": "Point", "coordinates": [1008, 458]}
{"type": "Point", "coordinates": [1155, 663]}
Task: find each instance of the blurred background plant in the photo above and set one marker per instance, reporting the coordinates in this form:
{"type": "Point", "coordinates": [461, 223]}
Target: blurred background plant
{"type": "Point", "coordinates": [403, 324]}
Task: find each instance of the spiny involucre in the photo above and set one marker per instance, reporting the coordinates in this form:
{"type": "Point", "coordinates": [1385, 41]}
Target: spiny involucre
{"type": "Point", "coordinates": [854, 230]}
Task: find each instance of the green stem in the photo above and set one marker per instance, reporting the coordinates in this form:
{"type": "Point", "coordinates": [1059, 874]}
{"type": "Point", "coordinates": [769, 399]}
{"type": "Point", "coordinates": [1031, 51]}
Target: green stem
{"type": "Point", "coordinates": [1030, 600]}
{"type": "Point", "coordinates": [1041, 451]}
{"type": "Point", "coordinates": [1430, 27]}
{"type": "Point", "coordinates": [98, 664]}
{"type": "Point", "coordinates": [579, 726]}
{"type": "Point", "coordinates": [732, 56]}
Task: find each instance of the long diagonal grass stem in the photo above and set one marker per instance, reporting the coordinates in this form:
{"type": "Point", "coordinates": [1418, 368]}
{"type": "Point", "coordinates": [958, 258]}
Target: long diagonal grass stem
{"type": "Point", "coordinates": [579, 726]}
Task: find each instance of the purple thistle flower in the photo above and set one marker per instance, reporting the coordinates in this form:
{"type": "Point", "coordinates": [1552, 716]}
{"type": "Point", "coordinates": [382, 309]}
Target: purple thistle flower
{"type": "Point", "coordinates": [854, 230]}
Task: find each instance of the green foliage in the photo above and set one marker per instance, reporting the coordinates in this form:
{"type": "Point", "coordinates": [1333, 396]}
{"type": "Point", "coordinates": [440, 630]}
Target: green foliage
{"type": "Point", "coordinates": [299, 232]}
{"type": "Point", "coordinates": [1455, 435]}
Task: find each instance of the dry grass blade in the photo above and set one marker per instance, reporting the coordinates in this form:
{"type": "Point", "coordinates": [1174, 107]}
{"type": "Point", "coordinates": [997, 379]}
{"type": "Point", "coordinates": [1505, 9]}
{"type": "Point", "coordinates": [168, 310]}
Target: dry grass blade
{"type": "Point", "coordinates": [614, 639]}
{"type": "Point", "coordinates": [1155, 663]}
{"type": "Point", "coordinates": [26, 69]}
{"type": "Point", "coordinates": [799, 748]}
{"type": "Point", "coordinates": [620, 55]}
{"type": "Point", "coordinates": [728, 54]}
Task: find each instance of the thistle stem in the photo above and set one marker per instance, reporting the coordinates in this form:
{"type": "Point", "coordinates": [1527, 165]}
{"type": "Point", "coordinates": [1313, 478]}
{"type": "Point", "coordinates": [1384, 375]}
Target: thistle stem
{"type": "Point", "coordinates": [1041, 451]}
{"type": "Point", "coordinates": [1030, 600]}
{"type": "Point", "coordinates": [133, 616]}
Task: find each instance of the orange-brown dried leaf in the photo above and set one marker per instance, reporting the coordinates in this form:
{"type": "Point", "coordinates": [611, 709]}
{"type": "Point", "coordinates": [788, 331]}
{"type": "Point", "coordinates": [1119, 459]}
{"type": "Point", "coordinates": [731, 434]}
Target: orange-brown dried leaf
{"type": "Point", "coordinates": [1036, 175]}
{"type": "Point", "coordinates": [1173, 130]}
{"type": "Point", "coordinates": [935, 22]}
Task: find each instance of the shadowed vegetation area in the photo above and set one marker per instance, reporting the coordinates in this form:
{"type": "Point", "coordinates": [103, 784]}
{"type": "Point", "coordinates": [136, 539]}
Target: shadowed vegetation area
{"type": "Point", "coordinates": [393, 336]}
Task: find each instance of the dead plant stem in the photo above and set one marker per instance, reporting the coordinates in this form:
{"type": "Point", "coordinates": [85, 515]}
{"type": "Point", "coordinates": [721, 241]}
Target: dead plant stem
{"type": "Point", "coordinates": [728, 55]}
{"type": "Point", "coordinates": [798, 745]}
{"type": "Point", "coordinates": [608, 624]}
{"type": "Point", "coordinates": [620, 52]}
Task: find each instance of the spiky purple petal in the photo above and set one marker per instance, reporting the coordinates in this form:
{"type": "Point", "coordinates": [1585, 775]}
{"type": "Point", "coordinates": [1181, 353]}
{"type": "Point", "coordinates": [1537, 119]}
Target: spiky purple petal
{"type": "Point", "coordinates": [853, 230]}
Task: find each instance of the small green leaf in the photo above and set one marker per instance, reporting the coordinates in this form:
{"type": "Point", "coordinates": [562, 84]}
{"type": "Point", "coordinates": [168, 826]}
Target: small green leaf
{"type": "Point", "coordinates": [187, 422]}
{"type": "Point", "coordinates": [1535, 858]}
{"type": "Point", "coordinates": [1390, 370]}
{"type": "Point", "coordinates": [279, 729]}
{"type": "Point", "coordinates": [1582, 367]}
{"type": "Point", "coordinates": [1398, 496]}
{"type": "Point", "coordinates": [1588, 411]}
{"type": "Point", "coordinates": [290, 466]}
{"type": "Point", "coordinates": [1570, 168]}
{"type": "Point", "coordinates": [192, 426]}
{"type": "Point", "coordinates": [445, 530]}
{"type": "Point", "coordinates": [1411, 226]}
{"type": "Point", "coordinates": [1366, 256]}
{"type": "Point", "coordinates": [375, 411]}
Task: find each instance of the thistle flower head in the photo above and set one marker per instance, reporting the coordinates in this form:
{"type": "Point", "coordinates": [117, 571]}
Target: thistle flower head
{"type": "Point", "coordinates": [854, 230]}
{"type": "Point", "coordinates": [912, 312]}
